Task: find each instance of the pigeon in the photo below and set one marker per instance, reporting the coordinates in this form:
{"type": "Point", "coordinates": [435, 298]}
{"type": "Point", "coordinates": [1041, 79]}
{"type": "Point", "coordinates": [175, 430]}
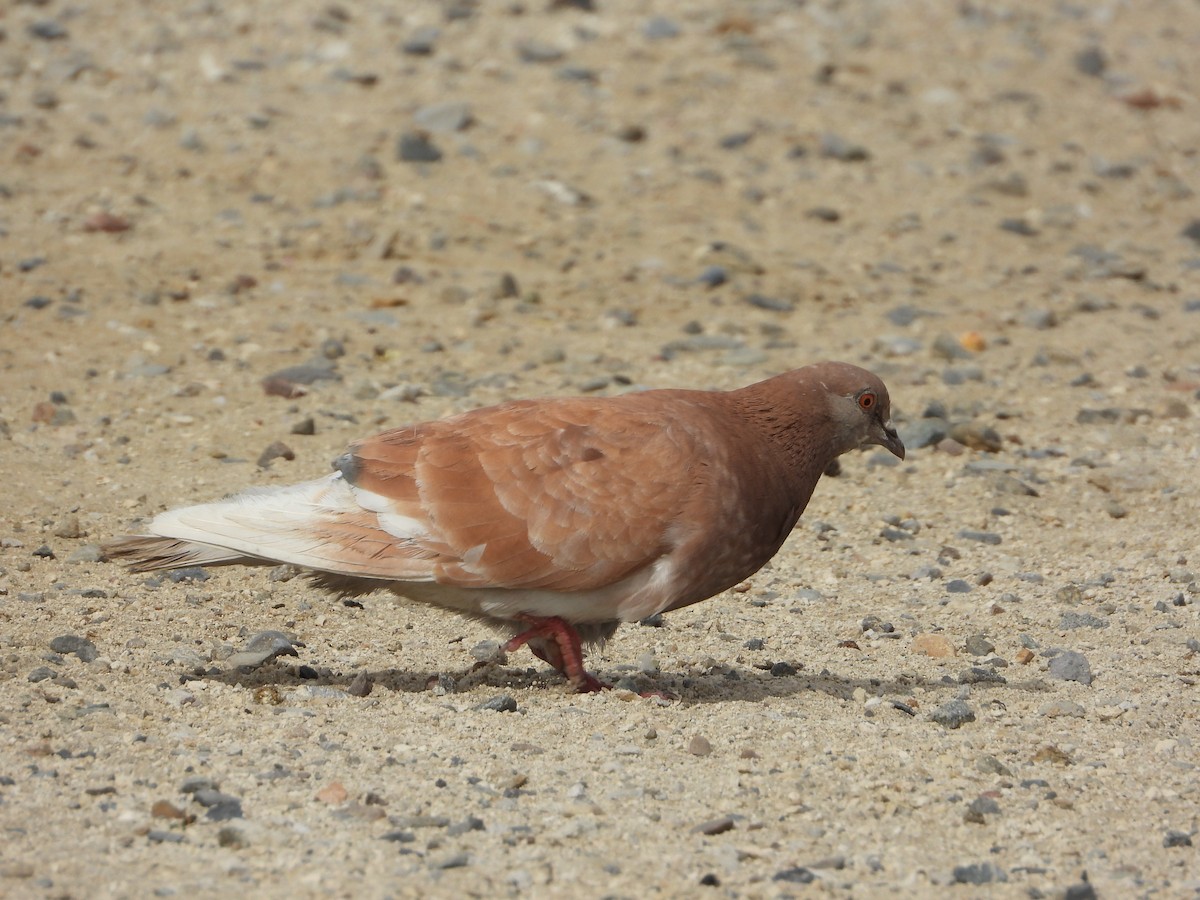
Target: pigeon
{"type": "Point", "coordinates": [556, 519]}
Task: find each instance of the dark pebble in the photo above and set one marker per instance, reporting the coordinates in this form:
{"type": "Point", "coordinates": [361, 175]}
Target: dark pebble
{"type": "Point", "coordinates": [1091, 61]}
{"type": "Point", "coordinates": [1073, 620]}
{"type": "Point", "coordinates": [954, 714]}
{"type": "Point", "coordinates": [984, 537]}
{"type": "Point", "coordinates": [422, 42]}
{"type": "Point", "coordinates": [210, 796]}
{"type": "Point", "coordinates": [796, 875]}
{"type": "Point", "coordinates": [501, 703]}
{"type": "Point", "coordinates": [470, 823]}
{"type": "Point", "coordinates": [834, 146]}
{"type": "Point", "coordinates": [1192, 231]}
{"type": "Point", "coordinates": [415, 147]}
{"type": "Point", "coordinates": [38, 302]}
{"type": "Point", "coordinates": [226, 809]}
{"type": "Point", "coordinates": [1071, 666]}
{"type": "Point", "coordinates": [735, 140]}
{"type": "Point", "coordinates": [713, 276]}
{"type": "Point", "coordinates": [978, 645]}
{"type": "Point", "coordinates": [774, 304]}
{"type": "Point", "coordinates": [924, 433]}
{"type": "Point", "coordinates": [984, 806]}
{"type": "Point", "coordinates": [1081, 891]}
{"type": "Point", "coordinates": [400, 837]}
{"type": "Point", "coordinates": [191, 573]}
{"type": "Point", "coordinates": [755, 644]}
{"type": "Point", "coordinates": [84, 649]}
{"type": "Point", "coordinates": [305, 426]}
{"type": "Point", "coordinates": [710, 880]}
{"type": "Point", "coordinates": [44, 552]}
{"type": "Point", "coordinates": [532, 51]}
{"type": "Point", "coordinates": [660, 28]}
{"type": "Point", "coordinates": [874, 623]}
{"type": "Point", "coordinates": [782, 669]}
{"type": "Point", "coordinates": [905, 315]}
{"type": "Point", "coordinates": [232, 838]}
{"type": "Point", "coordinates": [48, 30]}
{"type": "Point", "coordinates": [360, 686]}
{"type": "Point", "coordinates": [1018, 226]}
{"type": "Point", "coordinates": [978, 873]}
{"type": "Point", "coordinates": [275, 450]}
{"type": "Point", "coordinates": [958, 586]}
{"type": "Point", "coordinates": [719, 825]}
{"type": "Point", "coordinates": [197, 783]}
{"type": "Point", "coordinates": [156, 836]}
{"type": "Point", "coordinates": [980, 675]}
{"type": "Point", "coordinates": [1177, 839]}
{"type": "Point", "coordinates": [823, 214]}
{"type": "Point", "coordinates": [41, 673]}
{"type": "Point", "coordinates": [263, 647]}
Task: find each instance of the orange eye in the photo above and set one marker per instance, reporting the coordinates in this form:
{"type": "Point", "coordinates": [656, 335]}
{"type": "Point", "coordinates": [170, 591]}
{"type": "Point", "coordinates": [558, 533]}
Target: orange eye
{"type": "Point", "coordinates": [866, 400]}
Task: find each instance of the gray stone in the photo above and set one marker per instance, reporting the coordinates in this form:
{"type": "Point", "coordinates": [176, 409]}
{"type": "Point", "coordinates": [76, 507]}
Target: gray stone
{"type": "Point", "coordinates": [263, 647]}
{"type": "Point", "coordinates": [1175, 838]}
{"type": "Point", "coordinates": [444, 118]}
{"type": "Point", "coordinates": [660, 28]}
{"type": "Point", "coordinates": [980, 675]}
{"type": "Point", "coordinates": [417, 148]}
{"type": "Point", "coordinates": [983, 537]}
{"type": "Point", "coordinates": [978, 645]}
{"type": "Point", "coordinates": [84, 649]}
{"type": "Point", "coordinates": [500, 703]}
{"type": "Point", "coordinates": [1071, 665]}
{"type": "Point", "coordinates": [1073, 620]}
{"type": "Point", "coordinates": [834, 146]}
{"type": "Point", "coordinates": [954, 714]}
{"type": "Point", "coordinates": [1091, 61]}
{"type": "Point", "coordinates": [978, 873]}
{"type": "Point", "coordinates": [923, 433]}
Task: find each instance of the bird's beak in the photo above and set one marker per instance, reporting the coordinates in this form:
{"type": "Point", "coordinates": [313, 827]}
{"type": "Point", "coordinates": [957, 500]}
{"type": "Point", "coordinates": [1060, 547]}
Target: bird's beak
{"type": "Point", "coordinates": [891, 440]}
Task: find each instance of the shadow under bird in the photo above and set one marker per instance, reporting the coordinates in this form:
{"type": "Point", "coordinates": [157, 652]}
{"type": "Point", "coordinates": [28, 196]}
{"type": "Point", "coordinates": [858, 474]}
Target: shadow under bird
{"type": "Point", "coordinates": [556, 519]}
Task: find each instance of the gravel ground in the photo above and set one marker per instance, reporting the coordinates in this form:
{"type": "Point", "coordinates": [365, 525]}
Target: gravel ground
{"type": "Point", "coordinates": [972, 673]}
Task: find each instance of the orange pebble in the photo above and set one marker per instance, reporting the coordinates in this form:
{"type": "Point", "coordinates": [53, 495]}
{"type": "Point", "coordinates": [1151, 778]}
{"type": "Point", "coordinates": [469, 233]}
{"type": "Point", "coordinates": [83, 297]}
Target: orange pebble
{"type": "Point", "coordinates": [973, 341]}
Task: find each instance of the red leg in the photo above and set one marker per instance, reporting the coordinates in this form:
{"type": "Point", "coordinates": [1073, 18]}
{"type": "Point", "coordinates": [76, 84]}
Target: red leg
{"type": "Point", "coordinates": [554, 640]}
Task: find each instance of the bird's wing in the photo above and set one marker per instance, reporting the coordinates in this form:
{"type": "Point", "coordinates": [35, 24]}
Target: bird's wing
{"type": "Point", "coordinates": [564, 495]}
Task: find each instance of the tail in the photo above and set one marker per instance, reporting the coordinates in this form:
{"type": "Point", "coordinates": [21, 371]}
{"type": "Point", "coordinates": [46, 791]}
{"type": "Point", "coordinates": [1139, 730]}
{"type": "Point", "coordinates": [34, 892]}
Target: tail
{"type": "Point", "coordinates": [262, 526]}
{"type": "Point", "coordinates": [146, 553]}
{"type": "Point", "coordinates": [319, 525]}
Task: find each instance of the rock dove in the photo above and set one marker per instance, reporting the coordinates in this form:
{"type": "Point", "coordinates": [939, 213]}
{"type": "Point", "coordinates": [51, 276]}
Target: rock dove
{"type": "Point", "coordinates": [556, 519]}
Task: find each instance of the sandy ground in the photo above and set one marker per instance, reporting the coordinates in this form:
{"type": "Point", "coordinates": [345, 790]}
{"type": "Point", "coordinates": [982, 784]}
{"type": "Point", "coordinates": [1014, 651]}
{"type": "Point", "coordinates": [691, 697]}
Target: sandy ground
{"type": "Point", "coordinates": [990, 205]}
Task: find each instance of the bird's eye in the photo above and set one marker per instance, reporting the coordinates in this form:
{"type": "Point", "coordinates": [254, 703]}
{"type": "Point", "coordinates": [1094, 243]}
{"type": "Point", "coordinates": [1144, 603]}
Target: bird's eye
{"type": "Point", "coordinates": [866, 400]}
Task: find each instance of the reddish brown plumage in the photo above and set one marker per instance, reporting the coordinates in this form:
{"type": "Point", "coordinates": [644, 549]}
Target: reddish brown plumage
{"type": "Point", "coordinates": [590, 511]}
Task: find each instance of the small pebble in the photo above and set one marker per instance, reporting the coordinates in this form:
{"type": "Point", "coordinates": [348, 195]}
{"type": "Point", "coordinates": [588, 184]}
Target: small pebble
{"type": "Point", "coordinates": [81, 647]}
{"type": "Point", "coordinates": [795, 875]}
{"type": "Point", "coordinates": [699, 746]}
{"type": "Point", "coordinates": [263, 647]}
{"type": "Point", "coordinates": [499, 703]}
{"type": "Point", "coordinates": [416, 147]}
{"type": "Point", "coordinates": [978, 873]}
{"type": "Point", "coordinates": [1175, 838]}
{"type": "Point", "coordinates": [983, 537]}
{"type": "Point", "coordinates": [1071, 666]}
{"type": "Point", "coordinates": [954, 714]}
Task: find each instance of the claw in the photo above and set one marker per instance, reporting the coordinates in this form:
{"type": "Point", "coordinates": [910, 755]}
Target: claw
{"type": "Point", "coordinates": [555, 641]}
